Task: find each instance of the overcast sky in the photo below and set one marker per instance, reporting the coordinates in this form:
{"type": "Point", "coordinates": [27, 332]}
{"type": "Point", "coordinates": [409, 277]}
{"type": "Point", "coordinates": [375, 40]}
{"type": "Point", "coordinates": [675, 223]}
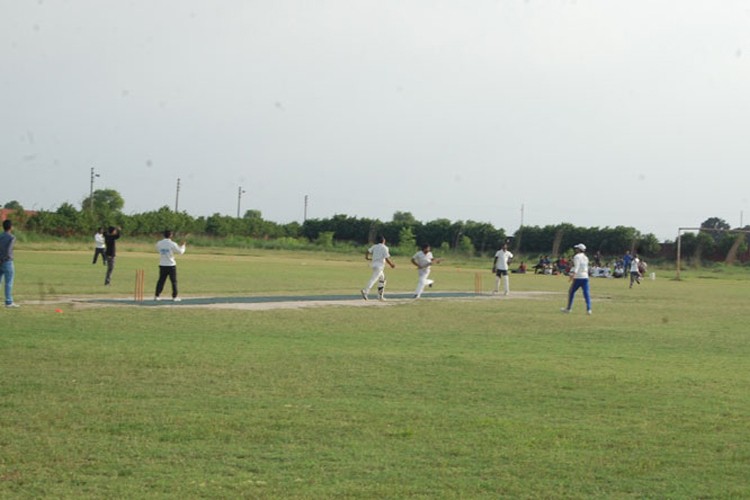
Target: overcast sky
{"type": "Point", "coordinates": [591, 112]}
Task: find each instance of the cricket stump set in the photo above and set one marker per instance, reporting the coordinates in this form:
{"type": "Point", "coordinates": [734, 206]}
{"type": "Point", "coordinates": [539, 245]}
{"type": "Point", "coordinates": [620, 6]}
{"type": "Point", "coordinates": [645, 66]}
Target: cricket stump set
{"type": "Point", "coordinates": [139, 279]}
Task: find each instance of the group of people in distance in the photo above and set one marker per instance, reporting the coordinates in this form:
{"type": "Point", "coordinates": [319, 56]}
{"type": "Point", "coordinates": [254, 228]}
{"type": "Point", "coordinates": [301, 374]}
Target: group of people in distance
{"type": "Point", "coordinates": [577, 269]}
{"type": "Point", "coordinates": [105, 244]}
{"type": "Point", "coordinates": [622, 267]}
{"type": "Point", "coordinates": [379, 255]}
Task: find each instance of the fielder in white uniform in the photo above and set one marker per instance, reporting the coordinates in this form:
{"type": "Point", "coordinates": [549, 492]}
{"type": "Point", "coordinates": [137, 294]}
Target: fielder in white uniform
{"type": "Point", "coordinates": [167, 265]}
{"type": "Point", "coordinates": [380, 255]}
{"type": "Point", "coordinates": [423, 260]}
{"type": "Point", "coordinates": [99, 246]}
{"type": "Point", "coordinates": [635, 270]}
{"type": "Point", "coordinates": [500, 268]}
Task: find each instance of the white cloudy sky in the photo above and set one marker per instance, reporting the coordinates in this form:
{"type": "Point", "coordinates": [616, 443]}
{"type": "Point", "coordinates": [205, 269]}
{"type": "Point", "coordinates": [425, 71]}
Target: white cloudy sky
{"type": "Point", "coordinates": [592, 112]}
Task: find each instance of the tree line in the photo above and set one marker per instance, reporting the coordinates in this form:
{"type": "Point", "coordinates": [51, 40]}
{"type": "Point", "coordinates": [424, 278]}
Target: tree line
{"type": "Point", "coordinates": [104, 208]}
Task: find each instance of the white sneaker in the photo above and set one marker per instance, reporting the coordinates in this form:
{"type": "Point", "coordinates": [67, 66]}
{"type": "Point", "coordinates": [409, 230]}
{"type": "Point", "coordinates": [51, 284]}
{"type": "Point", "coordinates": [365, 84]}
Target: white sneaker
{"type": "Point", "coordinates": [176, 299]}
{"type": "Point", "coordinates": [12, 305]}
{"type": "Point", "coordinates": [588, 312]}
{"type": "Point", "coordinates": [381, 298]}
{"type": "Point", "coordinates": [364, 293]}
{"type": "Point", "coordinates": [157, 298]}
{"type": "Point", "coordinates": [564, 310]}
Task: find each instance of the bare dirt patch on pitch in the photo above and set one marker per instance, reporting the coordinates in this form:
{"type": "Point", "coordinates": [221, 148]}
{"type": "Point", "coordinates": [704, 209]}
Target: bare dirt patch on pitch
{"type": "Point", "coordinates": [268, 303]}
{"type": "Point", "coordinates": [257, 303]}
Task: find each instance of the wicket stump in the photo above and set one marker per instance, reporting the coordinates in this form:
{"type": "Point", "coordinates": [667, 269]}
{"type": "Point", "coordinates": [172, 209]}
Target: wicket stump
{"type": "Point", "coordinates": [139, 279]}
{"type": "Point", "coordinates": [478, 283]}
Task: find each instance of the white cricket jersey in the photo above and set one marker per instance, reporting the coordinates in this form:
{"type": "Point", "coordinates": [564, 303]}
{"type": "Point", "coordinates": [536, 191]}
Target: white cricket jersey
{"type": "Point", "coordinates": [379, 253]}
{"type": "Point", "coordinates": [167, 248]}
{"type": "Point", "coordinates": [580, 266]}
{"type": "Point", "coordinates": [634, 265]}
{"type": "Point", "coordinates": [503, 256]}
{"type": "Point", "coordinates": [423, 259]}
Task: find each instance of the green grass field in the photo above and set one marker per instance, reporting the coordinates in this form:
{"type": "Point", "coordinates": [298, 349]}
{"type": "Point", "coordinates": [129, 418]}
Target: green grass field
{"type": "Point", "coordinates": [479, 398]}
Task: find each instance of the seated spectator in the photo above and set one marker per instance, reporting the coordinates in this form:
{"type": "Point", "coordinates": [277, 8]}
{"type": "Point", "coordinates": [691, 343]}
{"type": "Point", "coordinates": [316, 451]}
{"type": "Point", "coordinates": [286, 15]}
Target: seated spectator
{"type": "Point", "coordinates": [539, 267]}
{"type": "Point", "coordinates": [598, 259]}
{"type": "Point", "coordinates": [521, 268]}
{"type": "Point", "coordinates": [544, 266]}
{"type": "Point", "coordinates": [600, 272]}
{"type": "Point", "coordinates": [619, 271]}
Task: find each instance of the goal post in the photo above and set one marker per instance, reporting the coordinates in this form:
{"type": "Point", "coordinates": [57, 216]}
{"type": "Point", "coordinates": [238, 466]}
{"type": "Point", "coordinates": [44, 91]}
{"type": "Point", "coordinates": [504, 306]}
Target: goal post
{"type": "Point", "coordinates": [680, 230]}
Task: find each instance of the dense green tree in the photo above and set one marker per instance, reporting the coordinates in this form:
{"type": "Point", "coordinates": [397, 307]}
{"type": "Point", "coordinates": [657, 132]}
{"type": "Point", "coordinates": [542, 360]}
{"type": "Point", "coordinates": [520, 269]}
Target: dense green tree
{"type": "Point", "coordinates": [531, 239]}
{"type": "Point", "coordinates": [435, 233]}
{"type": "Point", "coordinates": [221, 225]}
{"type": "Point", "coordinates": [155, 222]}
{"type": "Point", "coordinates": [311, 228]}
{"type": "Point", "coordinates": [733, 244]}
{"type": "Point", "coordinates": [18, 212]}
{"type": "Point", "coordinates": [465, 246]}
{"type": "Point", "coordinates": [705, 247]}
{"type": "Point", "coordinates": [325, 239]}
{"type": "Point", "coordinates": [66, 221]}
{"type": "Point", "coordinates": [716, 227]}
{"type": "Point", "coordinates": [403, 232]}
{"type": "Point", "coordinates": [360, 231]}
{"type": "Point", "coordinates": [404, 218]}
{"type": "Point", "coordinates": [14, 205]}
{"type": "Point", "coordinates": [102, 205]}
{"type": "Point", "coordinates": [688, 244]}
{"type": "Point", "coordinates": [406, 239]}
{"type": "Point", "coordinates": [485, 238]}
{"type": "Point", "coordinates": [649, 245]}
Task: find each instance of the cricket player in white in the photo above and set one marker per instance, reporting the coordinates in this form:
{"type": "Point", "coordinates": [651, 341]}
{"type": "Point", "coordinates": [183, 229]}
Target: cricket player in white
{"type": "Point", "coordinates": [167, 265]}
{"type": "Point", "coordinates": [635, 271]}
{"type": "Point", "coordinates": [423, 260]}
{"type": "Point", "coordinates": [500, 268]}
{"type": "Point", "coordinates": [379, 254]}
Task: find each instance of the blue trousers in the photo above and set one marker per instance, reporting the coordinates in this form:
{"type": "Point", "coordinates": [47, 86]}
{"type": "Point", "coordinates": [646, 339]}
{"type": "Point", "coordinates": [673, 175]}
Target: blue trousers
{"type": "Point", "coordinates": [579, 283]}
{"type": "Point", "coordinates": [7, 272]}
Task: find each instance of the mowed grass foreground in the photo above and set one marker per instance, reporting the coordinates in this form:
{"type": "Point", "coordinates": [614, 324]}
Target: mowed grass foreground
{"type": "Point", "coordinates": [482, 398]}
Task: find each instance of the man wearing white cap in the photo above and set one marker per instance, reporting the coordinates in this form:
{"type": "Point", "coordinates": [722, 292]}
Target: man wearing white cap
{"type": "Point", "coordinates": [579, 277]}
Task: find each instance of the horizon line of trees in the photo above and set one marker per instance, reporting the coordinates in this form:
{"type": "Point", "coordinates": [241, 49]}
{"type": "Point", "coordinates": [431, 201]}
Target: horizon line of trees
{"type": "Point", "coordinates": [104, 208]}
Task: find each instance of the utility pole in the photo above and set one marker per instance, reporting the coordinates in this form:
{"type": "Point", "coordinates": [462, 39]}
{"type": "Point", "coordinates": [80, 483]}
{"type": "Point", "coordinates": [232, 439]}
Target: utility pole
{"type": "Point", "coordinates": [239, 197]}
{"type": "Point", "coordinates": [177, 196]}
{"type": "Point", "coordinates": [91, 190]}
{"type": "Point", "coordinates": [305, 216]}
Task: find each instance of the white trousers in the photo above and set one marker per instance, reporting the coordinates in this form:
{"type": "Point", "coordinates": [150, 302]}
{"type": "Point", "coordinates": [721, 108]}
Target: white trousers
{"type": "Point", "coordinates": [423, 281]}
{"type": "Point", "coordinates": [506, 284]}
{"type": "Point", "coordinates": [377, 275]}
